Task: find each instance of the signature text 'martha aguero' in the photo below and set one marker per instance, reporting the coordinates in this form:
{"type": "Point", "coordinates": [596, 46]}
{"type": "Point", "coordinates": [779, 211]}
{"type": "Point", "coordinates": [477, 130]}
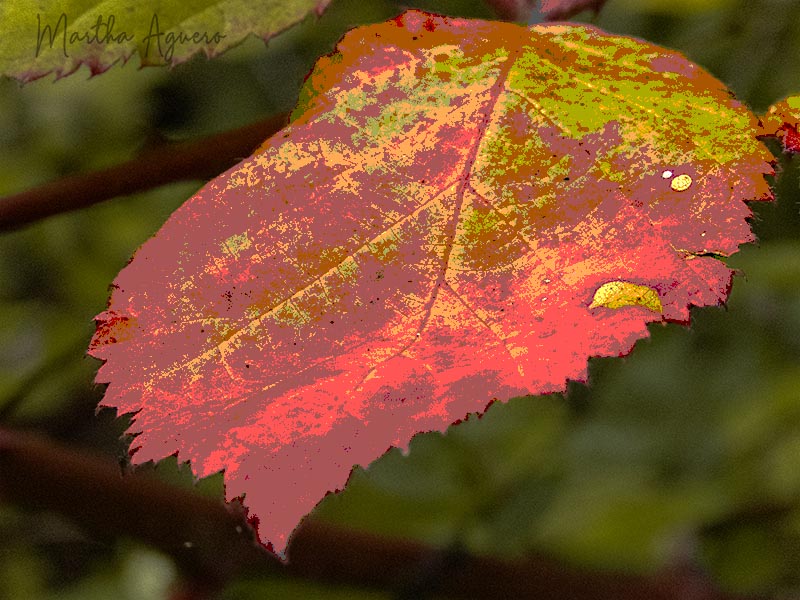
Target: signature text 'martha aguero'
{"type": "Point", "coordinates": [103, 32]}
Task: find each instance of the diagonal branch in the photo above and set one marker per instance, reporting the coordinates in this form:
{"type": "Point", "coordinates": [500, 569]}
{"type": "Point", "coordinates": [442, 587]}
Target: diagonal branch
{"type": "Point", "coordinates": [201, 158]}
{"type": "Point", "coordinates": [212, 544]}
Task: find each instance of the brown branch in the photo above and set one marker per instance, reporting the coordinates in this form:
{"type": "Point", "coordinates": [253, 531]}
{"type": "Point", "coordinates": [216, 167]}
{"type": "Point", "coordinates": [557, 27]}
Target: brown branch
{"type": "Point", "coordinates": [201, 158]}
{"type": "Point", "coordinates": [212, 544]}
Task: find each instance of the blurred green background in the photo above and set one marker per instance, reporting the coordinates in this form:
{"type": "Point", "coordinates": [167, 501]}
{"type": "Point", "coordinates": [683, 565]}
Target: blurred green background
{"type": "Point", "coordinates": [688, 450]}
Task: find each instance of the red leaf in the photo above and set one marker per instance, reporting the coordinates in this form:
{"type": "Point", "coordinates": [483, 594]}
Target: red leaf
{"type": "Point", "coordinates": [460, 211]}
{"type": "Point", "coordinates": [782, 121]}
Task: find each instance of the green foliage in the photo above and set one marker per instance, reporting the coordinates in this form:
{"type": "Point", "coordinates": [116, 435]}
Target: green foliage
{"type": "Point", "coordinates": [63, 34]}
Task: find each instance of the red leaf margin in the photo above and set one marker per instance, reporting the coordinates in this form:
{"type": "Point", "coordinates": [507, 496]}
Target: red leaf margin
{"type": "Point", "coordinates": [782, 121]}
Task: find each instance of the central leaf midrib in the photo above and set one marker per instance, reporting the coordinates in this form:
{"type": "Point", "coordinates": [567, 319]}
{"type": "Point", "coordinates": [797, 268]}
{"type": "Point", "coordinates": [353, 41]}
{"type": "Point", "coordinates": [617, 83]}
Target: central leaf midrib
{"type": "Point", "coordinates": [464, 176]}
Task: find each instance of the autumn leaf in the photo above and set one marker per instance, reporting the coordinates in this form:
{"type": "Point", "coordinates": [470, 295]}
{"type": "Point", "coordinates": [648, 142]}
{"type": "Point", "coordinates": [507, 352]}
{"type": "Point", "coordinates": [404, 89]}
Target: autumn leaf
{"type": "Point", "coordinates": [782, 121]}
{"type": "Point", "coordinates": [460, 211]}
{"type": "Point", "coordinates": [38, 37]}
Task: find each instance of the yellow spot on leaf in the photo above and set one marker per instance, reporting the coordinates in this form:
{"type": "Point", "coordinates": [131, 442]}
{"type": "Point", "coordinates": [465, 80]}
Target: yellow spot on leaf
{"type": "Point", "coordinates": [237, 243]}
{"type": "Point", "coordinates": [289, 314]}
{"type": "Point", "coordinates": [616, 294]}
{"type": "Point", "coordinates": [348, 269]}
{"type": "Point", "coordinates": [681, 183]}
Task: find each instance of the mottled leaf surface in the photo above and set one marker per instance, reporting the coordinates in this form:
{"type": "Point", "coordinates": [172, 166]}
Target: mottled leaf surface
{"type": "Point", "coordinates": [38, 37]}
{"type": "Point", "coordinates": [782, 121]}
{"type": "Point", "coordinates": [459, 211]}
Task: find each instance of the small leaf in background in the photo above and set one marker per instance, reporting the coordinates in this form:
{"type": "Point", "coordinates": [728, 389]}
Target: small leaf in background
{"type": "Point", "coordinates": [551, 10]}
{"type": "Point", "coordinates": [782, 121]}
{"type": "Point", "coordinates": [57, 36]}
{"type": "Point", "coordinates": [459, 211]}
{"type": "Point", "coordinates": [513, 10]}
{"type": "Point", "coordinates": [556, 10]}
